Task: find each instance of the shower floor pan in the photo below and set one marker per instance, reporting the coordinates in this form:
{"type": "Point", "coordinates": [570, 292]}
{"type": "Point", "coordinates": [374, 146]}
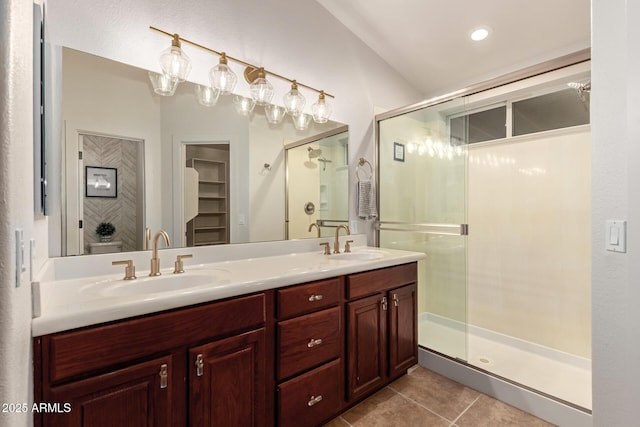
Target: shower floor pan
{"type": "Point", "coordinates": [558, 374]}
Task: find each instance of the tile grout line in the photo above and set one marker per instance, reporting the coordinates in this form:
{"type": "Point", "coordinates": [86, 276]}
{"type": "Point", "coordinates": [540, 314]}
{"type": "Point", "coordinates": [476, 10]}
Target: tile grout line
{"type": "Point", "coordinates": [419, 404]}
{"type": "Point", "coordinates": [466, 409]}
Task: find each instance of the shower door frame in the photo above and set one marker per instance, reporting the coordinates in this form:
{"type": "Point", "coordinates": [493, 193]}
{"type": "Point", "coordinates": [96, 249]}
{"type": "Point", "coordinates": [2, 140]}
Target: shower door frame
{"type": "Point", "coordinates": [539, 404]}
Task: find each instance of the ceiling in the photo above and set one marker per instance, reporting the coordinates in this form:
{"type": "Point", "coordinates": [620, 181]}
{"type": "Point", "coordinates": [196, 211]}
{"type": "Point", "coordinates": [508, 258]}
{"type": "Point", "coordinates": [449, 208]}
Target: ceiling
{"type": "Point", "coordinates": [428, 43]}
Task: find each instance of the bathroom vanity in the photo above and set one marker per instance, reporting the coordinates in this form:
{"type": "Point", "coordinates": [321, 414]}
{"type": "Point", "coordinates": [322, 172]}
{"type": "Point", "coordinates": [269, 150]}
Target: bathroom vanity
{"type": "Point", "coordinates": [333, 331]}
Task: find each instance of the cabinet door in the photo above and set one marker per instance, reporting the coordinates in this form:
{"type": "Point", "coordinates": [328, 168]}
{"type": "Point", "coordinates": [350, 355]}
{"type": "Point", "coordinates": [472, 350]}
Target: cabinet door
{"type": "Point", "coordinates": [227, 382]}
{"type": "Point", "coordinates": [139, 395]}
{"type": "Point", "coordinates": [367, 345]}
{"type": "Point", "coordinates": [403, 329]}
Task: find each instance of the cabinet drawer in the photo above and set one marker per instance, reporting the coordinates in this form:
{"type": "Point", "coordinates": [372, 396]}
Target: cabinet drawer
{"type": "Point", "coordinates": [94, 348]}
{"type": "Point", "coordinates": [369, 282]}
{"type": "Point", "coordinates": [311, 398]}
{"type": "Point", "coordinates": [310, 297]}
{"type": "Point", "coordinates": [308, 341]}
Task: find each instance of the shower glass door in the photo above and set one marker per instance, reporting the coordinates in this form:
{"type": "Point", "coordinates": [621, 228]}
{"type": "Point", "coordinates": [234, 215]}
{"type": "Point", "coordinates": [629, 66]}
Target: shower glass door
{"type": "Point", "coordinates": [422, 207]}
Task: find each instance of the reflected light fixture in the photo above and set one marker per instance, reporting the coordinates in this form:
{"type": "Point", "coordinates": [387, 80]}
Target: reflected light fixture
{"type": "Point", "coordinates": [293, 100]}
{"type": "Point", "coordinates": [274, 113]}
{"type": "Point", "coordinates": [174, 62]}
{"type": "Point", "coordinates": [221, 76]}
{"type": "Point", "coordinates": [261, 90]}
{"type": "Point", "coordinates": [301, 121]}
{"type": "Point", "coordinates": [321, 110]}
{"type": "Point", "coordinates": [207, 96]}
{"type": "Point", "coordinates": [163, 84]}
{"type": "Point", "coordinates": [243, 105]}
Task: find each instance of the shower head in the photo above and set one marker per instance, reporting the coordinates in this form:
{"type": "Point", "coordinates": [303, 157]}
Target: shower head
{"type": "Point", "coordinates": [583, 90]}
{"type": "Point", "coordinates": [313, 153]}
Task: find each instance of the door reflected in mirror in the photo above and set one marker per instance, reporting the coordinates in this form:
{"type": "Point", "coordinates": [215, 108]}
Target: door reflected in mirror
{"type": "Point", "coordinates": [242, 201]}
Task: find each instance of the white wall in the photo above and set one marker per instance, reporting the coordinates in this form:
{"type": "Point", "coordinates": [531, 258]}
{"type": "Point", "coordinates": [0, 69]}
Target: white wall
{"type": "Point", "coordinates": [615, 195]}
{"type": "Point", "coordinates": [16, 205]}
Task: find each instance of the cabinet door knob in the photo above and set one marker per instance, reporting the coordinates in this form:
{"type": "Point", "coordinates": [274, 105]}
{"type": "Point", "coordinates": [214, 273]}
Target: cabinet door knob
{"type": "Point", "coordinates": [395, 299]}
{"type": "Point", "coordinates": [384, 303]}
{"type": "Point", "coordinates": [318, 297]}
{"type": "Point", "coordinates": [313, 343]}
{"type": "Point", "coordinates": [314, 400]}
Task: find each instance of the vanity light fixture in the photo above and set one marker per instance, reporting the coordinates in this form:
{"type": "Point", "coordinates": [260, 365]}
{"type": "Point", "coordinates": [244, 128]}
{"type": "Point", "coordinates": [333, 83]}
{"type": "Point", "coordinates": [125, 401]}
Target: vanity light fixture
{"type": "Point", "coordinates": [163, 84]}
{"type": "Point", "coordinates": [261, 90]}
{"type": "Point", "coordinates": [177, 65]}
{"type": "Point", "coordinates": [301, 121]}
{"type": "Point", "coordinates": [174, 62]}
{"type": "Point", "coordinates": [207, 95]}
{"type": "Point", "coordinates": [221, 76]}
{"type": "Point", "coordinates": [321, 109]}
{"type": "Point", "coordinates": [293, 100]}
{"type": "Point", "coordinates": [274, 113]}
{"type": "Point", "coordinates": [243, 105]}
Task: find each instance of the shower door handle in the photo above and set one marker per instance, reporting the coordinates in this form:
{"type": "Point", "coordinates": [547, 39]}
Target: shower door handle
{"type": "Point", "coordinates": [424, 228]}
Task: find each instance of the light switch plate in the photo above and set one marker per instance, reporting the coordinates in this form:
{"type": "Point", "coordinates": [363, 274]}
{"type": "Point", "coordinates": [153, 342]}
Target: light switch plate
{"type": "Point", "coordinates": [616, 236]}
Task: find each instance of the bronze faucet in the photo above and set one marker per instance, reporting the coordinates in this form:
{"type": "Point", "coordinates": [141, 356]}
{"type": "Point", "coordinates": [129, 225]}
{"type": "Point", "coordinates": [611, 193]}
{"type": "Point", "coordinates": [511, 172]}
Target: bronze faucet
{"type": "Point", "coordinates": [316, 226]}
{"type": "Point", "coordinates": [155, 261]}
{"type": "Point", "coordinates": [336, 244]}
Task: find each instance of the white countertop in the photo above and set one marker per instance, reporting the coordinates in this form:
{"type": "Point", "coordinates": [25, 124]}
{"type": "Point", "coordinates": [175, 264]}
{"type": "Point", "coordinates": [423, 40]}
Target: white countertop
{"type": "Point", "coordinates": [65, 299]}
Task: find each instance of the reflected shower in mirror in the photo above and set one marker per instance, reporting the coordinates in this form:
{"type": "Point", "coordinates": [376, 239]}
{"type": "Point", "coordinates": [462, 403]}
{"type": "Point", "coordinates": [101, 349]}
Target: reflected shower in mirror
{"type": "Point", "coordinates": [317, 185]}
{"type": "Point", "coordinates": [195, 171]}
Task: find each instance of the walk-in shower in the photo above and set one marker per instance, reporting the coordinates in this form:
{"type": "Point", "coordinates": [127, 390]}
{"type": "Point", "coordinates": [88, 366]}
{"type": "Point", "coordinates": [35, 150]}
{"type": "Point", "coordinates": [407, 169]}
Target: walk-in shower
{"type": "Point", "coordinates": [494, 187]}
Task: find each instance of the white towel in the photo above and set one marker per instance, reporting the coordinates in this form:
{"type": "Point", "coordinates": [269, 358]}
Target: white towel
{"type": "Point", "coordinates": [366, 200]}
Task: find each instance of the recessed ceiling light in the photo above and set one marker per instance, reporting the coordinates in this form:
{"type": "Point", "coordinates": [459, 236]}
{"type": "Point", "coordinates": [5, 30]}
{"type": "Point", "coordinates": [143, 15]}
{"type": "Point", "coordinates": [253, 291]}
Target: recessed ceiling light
{"type": "Point", "coordinates": [479, 34]}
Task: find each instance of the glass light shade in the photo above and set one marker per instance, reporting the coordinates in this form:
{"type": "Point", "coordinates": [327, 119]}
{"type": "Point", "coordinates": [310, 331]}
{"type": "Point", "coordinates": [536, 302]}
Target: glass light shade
{"type": "Point", "coordinates": [222, 78]}
{"type": "Point", "coordinates": [261, 90]}
{"type": "Point", "coordinates": [293, 100]}
{"type": "Point", "coordinates": [243, 105]}
{"type": "Point", "coordinates": [175, 63]}
{"type": "Point", "coordinates": [207, 96]}
{"type": "Point", "coordinates": [163, 84]}
{"type": "Point", "coordinates": [301, 121]}
{"type": "Point", "coordinates": [321, 110]}
{"type": "Point", "coordinates": [274, 113]}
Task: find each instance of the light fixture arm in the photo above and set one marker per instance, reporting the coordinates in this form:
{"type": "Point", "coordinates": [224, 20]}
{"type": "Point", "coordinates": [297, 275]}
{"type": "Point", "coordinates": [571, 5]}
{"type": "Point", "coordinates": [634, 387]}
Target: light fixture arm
{"type": "Point", "coordinates": [178, 39]}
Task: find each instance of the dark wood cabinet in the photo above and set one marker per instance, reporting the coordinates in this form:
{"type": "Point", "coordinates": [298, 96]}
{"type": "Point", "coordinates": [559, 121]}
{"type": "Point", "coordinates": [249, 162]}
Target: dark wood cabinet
{"type": "Point", "coordinates": [142, 371]}
{"type": "Point", "coordinates": [227, 380]}
{"type": "Point", "coordinates": [295, 356]}
{"type": "Point", "coordinates": [138, 395]}
{"type": "Point", "coordinates": [366, 338]}
{"type": "Point", "coordinates": [310, 353]}
{"type": "Point", "coordinates": [381, 328]}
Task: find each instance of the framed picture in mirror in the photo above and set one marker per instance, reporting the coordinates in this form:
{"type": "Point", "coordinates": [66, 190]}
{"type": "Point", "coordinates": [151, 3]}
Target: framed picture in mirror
{"type": "Point", "coordinates": [101, 182]}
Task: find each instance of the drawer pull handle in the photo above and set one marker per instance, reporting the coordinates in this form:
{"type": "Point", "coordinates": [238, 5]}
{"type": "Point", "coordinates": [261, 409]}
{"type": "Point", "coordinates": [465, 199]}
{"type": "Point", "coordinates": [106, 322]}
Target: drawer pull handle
{"type": "Point", "coordinates": [164, 374]}
{"type": "Point", "coordinates": [314, 400]}
{"type": "Point", "coordinates": [318, 297]}
{"type": "Point", "coordinates": [199, 365]}
{"type": "Point", "coordinates": [313, 343]}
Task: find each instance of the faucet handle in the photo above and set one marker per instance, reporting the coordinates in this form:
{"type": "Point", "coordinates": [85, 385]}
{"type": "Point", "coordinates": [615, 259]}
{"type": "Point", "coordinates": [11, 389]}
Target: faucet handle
{"type": "Point", "coordinates": [129, 270]}
{"type": "Point", "coordinates": [327, 250]}
{"type": "Point", "coordinates": [178, 266]}
{"type": "Point", "coordinates": [347, 246]}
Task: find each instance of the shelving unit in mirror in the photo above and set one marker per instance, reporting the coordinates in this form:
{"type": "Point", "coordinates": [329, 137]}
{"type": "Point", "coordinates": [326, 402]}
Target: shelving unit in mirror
{"type": "Point", "coordinates": [211, 225]}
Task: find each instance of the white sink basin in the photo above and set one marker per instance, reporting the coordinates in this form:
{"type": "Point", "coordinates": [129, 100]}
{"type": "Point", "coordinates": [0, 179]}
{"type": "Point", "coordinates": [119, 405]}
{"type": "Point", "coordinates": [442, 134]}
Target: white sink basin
{"type": "Point", "coordinates": [358, 256]}
{"type": "Point", "coordinates": [168, 282]}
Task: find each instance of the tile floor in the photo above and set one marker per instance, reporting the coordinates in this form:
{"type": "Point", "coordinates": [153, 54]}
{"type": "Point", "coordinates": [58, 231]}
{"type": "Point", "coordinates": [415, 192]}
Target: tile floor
{"type": "Point", "coordinates": [424, 398]}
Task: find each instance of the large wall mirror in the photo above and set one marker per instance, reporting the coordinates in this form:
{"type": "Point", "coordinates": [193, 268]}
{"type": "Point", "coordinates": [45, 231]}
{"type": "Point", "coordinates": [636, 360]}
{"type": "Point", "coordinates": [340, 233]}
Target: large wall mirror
{"type": "Point", "coordinates": [205, 175]}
